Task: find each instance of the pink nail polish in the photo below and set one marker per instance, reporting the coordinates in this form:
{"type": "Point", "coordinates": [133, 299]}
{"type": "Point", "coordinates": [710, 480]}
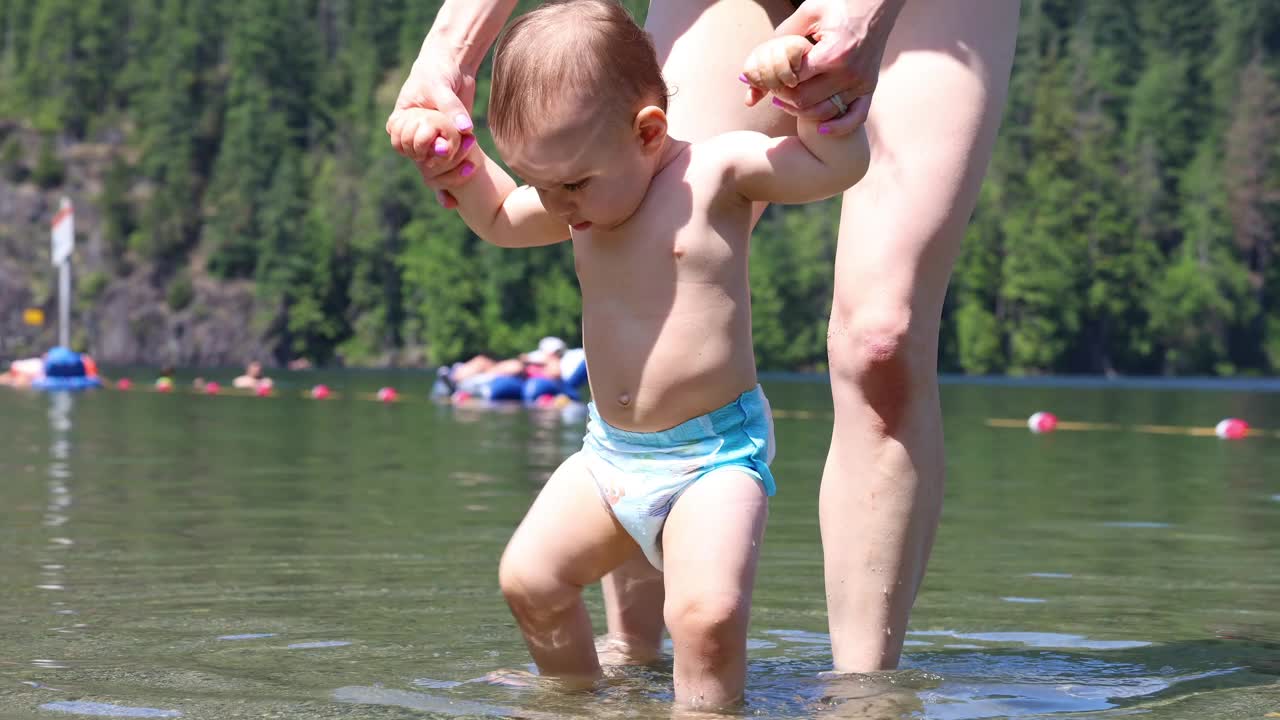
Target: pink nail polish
{"type": "Point", "coordinates": [462, 122]}
{"type": "Point", "coordinates": [744, 79]}
{"type": "Point", "coordinates": [468, 167]}
{"type": "Point", "coordinates": [467, 142]}
{"type": "Point", "coordinates": [441, 147]}
{"type": "Point", "coordinates": [779, 103]}
{"type": "Point", "coordinates": [824, 129]}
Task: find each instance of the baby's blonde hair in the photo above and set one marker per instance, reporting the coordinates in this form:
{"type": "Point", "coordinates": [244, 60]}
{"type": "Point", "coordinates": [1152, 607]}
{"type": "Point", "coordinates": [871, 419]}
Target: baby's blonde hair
{"type": "Point", "coordinates": [591, 48]}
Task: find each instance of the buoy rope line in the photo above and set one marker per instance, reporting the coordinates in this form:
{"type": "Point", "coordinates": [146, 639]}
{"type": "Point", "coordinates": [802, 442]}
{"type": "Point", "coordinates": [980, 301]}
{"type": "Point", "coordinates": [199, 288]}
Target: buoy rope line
{"type": "Point", "coordinates": [1040, 423]}
{"type": "Point", "coordinates": [1251, 432]}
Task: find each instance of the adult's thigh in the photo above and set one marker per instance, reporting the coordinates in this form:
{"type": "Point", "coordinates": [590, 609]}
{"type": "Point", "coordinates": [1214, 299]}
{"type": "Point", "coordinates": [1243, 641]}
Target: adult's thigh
{"type": "Point", "coordinates": [932, 125]}
{"type": "Point", "coordinates": [702, 45]}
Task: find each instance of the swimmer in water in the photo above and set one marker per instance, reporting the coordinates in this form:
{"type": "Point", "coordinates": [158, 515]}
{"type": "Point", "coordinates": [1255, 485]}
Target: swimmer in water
{"type": "Point", "coordinates": [675, 463]}
{"type": "Point", "coordinates": [252, 379]}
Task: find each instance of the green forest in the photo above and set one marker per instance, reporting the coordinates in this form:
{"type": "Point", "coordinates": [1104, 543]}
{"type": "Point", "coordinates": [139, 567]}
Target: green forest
{"type": "Point", "coordinates": [1127, 225]}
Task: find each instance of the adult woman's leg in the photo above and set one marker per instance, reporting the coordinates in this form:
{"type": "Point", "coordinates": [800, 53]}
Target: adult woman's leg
{"type": "Point", "coordinates": [932, 126]}
{"type": "Point", "coordinates": [701, 45]}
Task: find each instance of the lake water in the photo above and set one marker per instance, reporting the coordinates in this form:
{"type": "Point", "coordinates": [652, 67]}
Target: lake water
{"type": "Point", "coordinates": [229, 557]}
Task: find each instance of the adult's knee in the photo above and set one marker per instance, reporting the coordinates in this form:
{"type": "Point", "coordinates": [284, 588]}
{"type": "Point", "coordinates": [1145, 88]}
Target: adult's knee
{"type": "Point", "coordinates": [871, 344]}
{"type": "Point", "coordinates": [710, 631]}
{"type": "Point", "coordinates": [878, 358]}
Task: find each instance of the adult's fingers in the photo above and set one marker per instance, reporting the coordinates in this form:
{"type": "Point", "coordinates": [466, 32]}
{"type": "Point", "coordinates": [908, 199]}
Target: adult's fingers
{"type": "Point", "coordinates": [820, 87]}
{"type": "Point", "coordinates": [828, 113]}
{"type": "Point", "coordinates": [444, 197]}
{"type": "Point", "coordinates": [851, 120]}
{"type": "Point", "coordinates": [455, 175]}
{"type": "Point", "coordinates": [820, 111]}
{"type": "Point", "coordinates": [448, 103]}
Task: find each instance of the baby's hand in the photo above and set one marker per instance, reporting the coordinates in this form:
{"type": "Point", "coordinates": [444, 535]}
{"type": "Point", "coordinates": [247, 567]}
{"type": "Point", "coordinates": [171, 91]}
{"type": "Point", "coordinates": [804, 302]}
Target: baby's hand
{"type": "Point", "coordinates": [428, 136]}
{"type": "Point", "coordinates": [434, 143]}
{"type": "Point", "coordinates": [775, 64]}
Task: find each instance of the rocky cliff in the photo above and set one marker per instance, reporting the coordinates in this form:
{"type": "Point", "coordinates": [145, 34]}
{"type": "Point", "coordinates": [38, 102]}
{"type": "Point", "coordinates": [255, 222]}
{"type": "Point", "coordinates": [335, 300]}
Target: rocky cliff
{"type": "Point", "coordinates": [134, 315]}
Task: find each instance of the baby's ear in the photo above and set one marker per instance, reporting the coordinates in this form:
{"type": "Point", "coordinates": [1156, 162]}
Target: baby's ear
{"type": "Point", "coordinates": [651, 128]}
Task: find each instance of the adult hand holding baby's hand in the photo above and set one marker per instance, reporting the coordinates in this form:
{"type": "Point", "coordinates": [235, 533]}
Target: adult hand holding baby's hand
{"type": "Point", "coordinates": [840, 72]}
{"type": "Point", "coordinates": [436, 83]}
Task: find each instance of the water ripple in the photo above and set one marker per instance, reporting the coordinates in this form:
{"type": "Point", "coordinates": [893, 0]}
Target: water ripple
{"type": "Point", "coordinates": [246, 636]}
{"type": "Point", "coordinates": [318, 644]}
{"type": "Point", "coordinates": [80, 707]}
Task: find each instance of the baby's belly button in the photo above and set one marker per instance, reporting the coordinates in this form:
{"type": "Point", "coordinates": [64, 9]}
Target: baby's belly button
{"type": "Point", "coordinates": [624, 399]}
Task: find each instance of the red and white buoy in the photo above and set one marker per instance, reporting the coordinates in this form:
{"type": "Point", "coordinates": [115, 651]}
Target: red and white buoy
{"type": "Point", "coordinates": [124, 384]}
{"type": "Point", "coordinates": [262, 389]}
{"type": "Point", "coordinates": [387, 395]}
{"type": "Point", "coordinates": [1042, 422]}
{"type": "Point", "coordinates": [1231, 429]}
{"type": "Point", "coordinates": [212, 388]}
{"type": "Point", "coordinates": [320, 392]}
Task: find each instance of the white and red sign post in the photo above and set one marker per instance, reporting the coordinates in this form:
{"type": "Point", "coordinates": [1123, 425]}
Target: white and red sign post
{"type": "Point", "coordinates": [63, 239]}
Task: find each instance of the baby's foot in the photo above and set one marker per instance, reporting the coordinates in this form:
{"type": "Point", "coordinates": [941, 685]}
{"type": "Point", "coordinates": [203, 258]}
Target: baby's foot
{"type": "Point", "coordinates": [614, 650]}
{"type": "Point", "coordinates": [510, 677]}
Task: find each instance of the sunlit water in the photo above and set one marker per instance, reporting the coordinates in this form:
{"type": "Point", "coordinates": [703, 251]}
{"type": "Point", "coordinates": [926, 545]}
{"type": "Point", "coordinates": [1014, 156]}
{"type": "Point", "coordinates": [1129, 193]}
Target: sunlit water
{"type": "Point", "coordinates": [227, 557]}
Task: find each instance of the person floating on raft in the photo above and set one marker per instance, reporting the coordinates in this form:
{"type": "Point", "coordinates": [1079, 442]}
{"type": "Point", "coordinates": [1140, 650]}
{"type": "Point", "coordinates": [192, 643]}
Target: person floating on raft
{"type": "Point", "coordinates": [23, 372]}
{"type": "Point", "coordinates": [552, 373]}
{"type": "Point", "coordinates": [67, 370]}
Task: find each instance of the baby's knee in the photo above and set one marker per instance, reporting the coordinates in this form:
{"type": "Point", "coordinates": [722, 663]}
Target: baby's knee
{"type": "Point", "coordinates": [708, 630]}
{"type": "Point", "coordinates": [532, 592]}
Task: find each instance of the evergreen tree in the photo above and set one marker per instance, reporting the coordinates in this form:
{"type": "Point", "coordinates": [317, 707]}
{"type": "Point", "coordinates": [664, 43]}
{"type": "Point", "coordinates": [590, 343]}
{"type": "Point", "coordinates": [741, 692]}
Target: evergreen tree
{"type": "Point", "coordinates": [1127, 223]}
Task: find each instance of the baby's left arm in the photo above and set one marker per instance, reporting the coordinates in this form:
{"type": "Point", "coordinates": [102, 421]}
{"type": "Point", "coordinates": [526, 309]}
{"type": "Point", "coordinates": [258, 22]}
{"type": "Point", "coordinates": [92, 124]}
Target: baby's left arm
{"type": "Point", "coordinates": [808, 166]}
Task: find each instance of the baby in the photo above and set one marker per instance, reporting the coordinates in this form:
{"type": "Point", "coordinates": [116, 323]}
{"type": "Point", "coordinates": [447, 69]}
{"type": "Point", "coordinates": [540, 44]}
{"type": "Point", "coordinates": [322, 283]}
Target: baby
{"type": "Point", "coordinates": [675, 462]}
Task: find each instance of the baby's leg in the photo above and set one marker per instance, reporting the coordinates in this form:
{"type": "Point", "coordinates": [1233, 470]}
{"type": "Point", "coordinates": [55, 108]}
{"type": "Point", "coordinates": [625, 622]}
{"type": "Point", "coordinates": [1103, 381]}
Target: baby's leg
{"type": "Point", "coordinates": [568, 539]}
{"type": "Point", "coordinates": [710, 546]}
{"type": "Point", "coordinates": [702, 45]}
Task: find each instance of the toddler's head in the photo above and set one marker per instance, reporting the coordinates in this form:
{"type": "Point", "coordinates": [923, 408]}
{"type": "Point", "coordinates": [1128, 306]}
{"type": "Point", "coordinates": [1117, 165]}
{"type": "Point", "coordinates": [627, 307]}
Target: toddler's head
{"type": "Point", "coordinates": [578, 108]}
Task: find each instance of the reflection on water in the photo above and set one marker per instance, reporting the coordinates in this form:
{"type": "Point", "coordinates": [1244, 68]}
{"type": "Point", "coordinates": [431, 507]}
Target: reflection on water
{"type": "Point", "coordinates": [107, 710]}
{"type": "Point", "coordinates": [182, 556]}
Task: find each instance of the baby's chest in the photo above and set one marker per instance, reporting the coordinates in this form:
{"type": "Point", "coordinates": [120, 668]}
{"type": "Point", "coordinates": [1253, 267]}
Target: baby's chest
{"type": "Point", "coordinates": [677, 236]}
{"type": "Point", "coordinates": [660, 255]}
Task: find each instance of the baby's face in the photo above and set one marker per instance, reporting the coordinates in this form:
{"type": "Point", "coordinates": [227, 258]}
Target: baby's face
{"type": "Point", "coordinates": [587, 171]}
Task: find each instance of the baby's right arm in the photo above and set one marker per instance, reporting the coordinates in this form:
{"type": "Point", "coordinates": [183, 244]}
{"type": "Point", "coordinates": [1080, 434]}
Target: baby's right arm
{"type": "Point", "coordinates": [490, 202]}
{"type": "Point", "coordinates": [809, 166]}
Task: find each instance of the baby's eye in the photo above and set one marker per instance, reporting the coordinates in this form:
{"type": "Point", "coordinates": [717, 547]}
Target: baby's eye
{"type": "Point", "coordinates": [576, 186]}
